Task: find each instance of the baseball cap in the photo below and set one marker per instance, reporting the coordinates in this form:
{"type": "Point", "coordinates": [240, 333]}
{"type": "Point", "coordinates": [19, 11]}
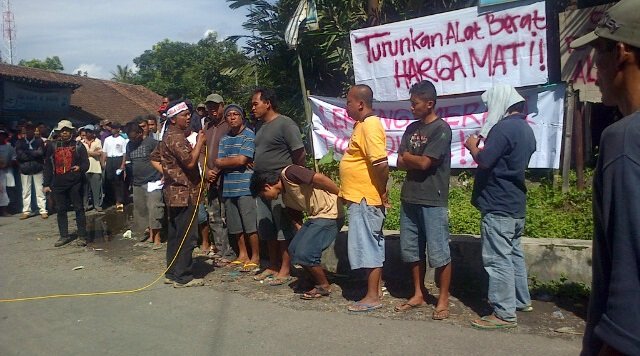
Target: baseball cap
{"type": "Point", "coordinates": [620, 23]}
{"type": "Point", "coordinates": [200, 106]}
{"type": "Point", "coordinates": [216, 98]}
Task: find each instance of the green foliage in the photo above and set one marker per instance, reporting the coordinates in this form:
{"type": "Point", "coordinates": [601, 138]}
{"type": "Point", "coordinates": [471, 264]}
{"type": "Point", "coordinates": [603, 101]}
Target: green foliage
{"type": "Point", "coordinates": [329, 166]}
{"type": "Point", "coordinates": [123, 74]}
{"type": "Point", "coordinates": [561, 288]}
{"type": "Point", "coordinates": [50, 63]}
{"type": "Point", "coordinates": [193, 70]}
{"type": "Point", "coordinates": [550, 213]}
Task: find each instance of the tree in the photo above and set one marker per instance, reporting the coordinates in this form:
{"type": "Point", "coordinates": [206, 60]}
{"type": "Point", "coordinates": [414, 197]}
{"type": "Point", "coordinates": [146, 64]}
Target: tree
{"type": "Point", "coordinates": [50, 63]}
{"type": "Point", "coordinates": [193, 70]}
{"type": "Point", "coordinates": [123, 74]}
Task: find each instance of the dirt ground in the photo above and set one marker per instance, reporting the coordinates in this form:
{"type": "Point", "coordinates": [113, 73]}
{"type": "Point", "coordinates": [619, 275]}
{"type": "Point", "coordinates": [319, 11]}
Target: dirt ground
{"type": "Point", "coordinates": [552, 317]}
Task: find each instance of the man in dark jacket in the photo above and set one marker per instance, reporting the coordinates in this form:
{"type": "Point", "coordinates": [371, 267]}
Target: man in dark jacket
{"type": "Point", "coordinates": [65, 163]}
{"type": "Point", "coordinates": [30, 156]}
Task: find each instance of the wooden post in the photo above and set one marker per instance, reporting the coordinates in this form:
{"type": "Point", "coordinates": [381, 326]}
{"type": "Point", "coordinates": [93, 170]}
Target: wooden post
{"type": "Point", "coordinates": [579, 147]}
{"type": "Point", "coordinates": [568, 132]}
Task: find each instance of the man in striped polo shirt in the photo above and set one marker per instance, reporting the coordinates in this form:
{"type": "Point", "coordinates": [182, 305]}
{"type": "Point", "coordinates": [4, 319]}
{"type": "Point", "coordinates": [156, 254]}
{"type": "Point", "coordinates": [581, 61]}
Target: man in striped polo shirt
{"type": "Point", "coordinates": [235, 154]}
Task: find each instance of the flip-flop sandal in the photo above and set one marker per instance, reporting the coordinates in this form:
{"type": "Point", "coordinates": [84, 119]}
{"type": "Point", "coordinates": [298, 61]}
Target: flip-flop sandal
{"type": "Point", "coordinates": [490, 323]}
{"type": "Point", "coordinates": [408, 306]}
{"type": "Point", "coordinates": [236, 263]}
{"type": "Point", "coordinates": [250, 267]}
{"type": "Point", "coordinates": [316, 293]}
{"type": "Point", "coordinates": [220, 262]}
{"type": "Point", "coordinates": [278, 281]}
{"type": "Point", "coordinates": [266, 274]}
{"type": "Point", "coordinates": [363, 307]}
{"type": "Point", "coordinates": [441, 314]}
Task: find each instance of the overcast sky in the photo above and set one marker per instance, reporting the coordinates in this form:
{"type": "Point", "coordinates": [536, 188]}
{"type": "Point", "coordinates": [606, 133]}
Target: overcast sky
{"type": "Point", "coordinates": [95, 36]}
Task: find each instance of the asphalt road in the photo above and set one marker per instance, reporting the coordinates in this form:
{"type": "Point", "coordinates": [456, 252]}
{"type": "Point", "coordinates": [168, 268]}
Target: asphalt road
{"type": "Point", "coordinates": [197, 321]}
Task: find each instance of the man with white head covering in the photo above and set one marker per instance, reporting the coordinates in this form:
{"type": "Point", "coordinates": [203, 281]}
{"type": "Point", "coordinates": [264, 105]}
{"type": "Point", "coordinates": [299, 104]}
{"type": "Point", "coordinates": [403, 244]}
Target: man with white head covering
{"type": "Point", "coordinates": [502, 96]}
{"type": "Point", "coordinates": [499, 192]}
{"type": "Point", "coordinates": [178, 163]}
{"type": "Point", "coordinates": [65, 163]}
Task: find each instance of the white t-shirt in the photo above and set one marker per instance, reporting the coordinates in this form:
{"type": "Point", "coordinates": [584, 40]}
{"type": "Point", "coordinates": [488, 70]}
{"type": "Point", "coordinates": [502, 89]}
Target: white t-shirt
{"type": "Point", "coordinates": [115, 146]}
{"type": "Point", "coordinates": [192, 138]}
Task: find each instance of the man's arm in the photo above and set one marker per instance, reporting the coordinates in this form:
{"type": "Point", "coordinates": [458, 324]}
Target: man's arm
{"type": "Point", "coordinates": [232, 162]}
{"type": "Point", "coordinates": [410, 161]}
{"type": "Point", "coordinates": [298, 156]}
{"type": "Point", "coordinates": [195, 152]}
{"type": "Point", "coordinates": [325, 183]}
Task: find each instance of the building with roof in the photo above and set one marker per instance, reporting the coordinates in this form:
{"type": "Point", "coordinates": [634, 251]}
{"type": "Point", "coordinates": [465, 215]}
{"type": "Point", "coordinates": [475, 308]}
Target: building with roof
{"type": "Point", "coordinates": [45, 96]}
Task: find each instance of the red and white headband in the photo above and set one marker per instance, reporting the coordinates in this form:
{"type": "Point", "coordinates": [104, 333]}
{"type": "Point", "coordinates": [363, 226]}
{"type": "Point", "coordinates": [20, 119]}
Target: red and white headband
{"type": "Point", "coordinates": [176, 109]}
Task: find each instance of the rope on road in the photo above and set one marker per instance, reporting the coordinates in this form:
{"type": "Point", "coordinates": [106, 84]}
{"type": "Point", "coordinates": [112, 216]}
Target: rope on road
{"type": "Point", "coordinates": [128, 291]}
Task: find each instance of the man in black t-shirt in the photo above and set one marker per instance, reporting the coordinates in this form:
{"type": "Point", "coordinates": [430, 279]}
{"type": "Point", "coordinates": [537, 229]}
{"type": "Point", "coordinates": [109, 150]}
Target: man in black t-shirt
{"type": "Point", "coordinates": [425, 153]}
{"type": "Point", "coordinates": [148, 208]}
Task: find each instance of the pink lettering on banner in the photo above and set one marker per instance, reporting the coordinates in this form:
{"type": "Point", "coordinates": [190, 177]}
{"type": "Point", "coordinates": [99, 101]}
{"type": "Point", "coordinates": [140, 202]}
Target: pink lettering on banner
{"type": "Point", "coordinates": [513, 23]}
{"type": "Point", "coordinates": [340, 119]}
{"type": "Point", "coordinates": [463, 150]}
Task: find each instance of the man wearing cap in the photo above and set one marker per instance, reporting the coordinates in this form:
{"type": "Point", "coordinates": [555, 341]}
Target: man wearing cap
{"type": "Point", "coordinates": [30, 156]}
{"type": "Point", "coordinates": [65, 164]}
{"type": "Point", "coordinates": [178, 163]}
{"type": "Point", "coordinates": [613, 320]}
{"type": "Point", "coordinates": [197, 125]}
{"type": "Point", "coordinates": [216, 127]}
{"type": "Point", "coordinates": [106, 130]}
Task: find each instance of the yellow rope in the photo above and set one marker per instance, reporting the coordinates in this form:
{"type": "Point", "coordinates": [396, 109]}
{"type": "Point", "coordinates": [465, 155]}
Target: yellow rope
{"type": "Point", "coordinates": [128, 291]}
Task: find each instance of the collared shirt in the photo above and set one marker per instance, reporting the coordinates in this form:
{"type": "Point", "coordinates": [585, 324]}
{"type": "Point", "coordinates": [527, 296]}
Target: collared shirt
{"type": "Point", "coordinates": [367, 147]}
{"type": "Point", "coordinates": [181, 184]}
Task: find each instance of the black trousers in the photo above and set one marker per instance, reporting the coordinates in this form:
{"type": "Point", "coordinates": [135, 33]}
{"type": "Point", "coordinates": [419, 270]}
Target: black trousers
{"type": "Point", "coordinates": [115, 181]}
{"type": "Point", "coordinates": [182, 269]}
{"type": "Point", "coordinates": [63, 196]}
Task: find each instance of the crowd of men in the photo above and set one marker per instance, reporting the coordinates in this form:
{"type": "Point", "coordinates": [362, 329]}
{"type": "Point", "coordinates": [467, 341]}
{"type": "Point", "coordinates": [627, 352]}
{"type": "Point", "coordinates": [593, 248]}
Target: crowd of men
{"type": "Point", "coordinates": [209, 178]}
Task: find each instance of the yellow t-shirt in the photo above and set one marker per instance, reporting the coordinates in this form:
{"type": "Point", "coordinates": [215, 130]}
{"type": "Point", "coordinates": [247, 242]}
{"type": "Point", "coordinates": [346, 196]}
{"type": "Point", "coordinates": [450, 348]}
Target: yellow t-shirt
{"type": "Point", "coordinates": [368, 145]}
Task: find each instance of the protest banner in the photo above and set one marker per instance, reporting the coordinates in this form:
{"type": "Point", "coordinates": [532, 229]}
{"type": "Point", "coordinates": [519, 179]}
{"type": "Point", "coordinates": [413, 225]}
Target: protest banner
{"type": "Point", "coordinates": [577, 65]}
{"type": "Point", "coordinates": [459, 51]}
{"type": "Point", "coordinates": [332, 126]}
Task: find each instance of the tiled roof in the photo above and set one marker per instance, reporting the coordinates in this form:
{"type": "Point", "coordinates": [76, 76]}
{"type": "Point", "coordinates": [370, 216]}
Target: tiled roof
{"type": "Point", "coordinates": [97, 98]}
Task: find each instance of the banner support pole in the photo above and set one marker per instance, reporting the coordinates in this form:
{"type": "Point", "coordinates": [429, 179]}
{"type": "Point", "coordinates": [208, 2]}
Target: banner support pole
{"type": "Point", "coordinates": [307, 108]}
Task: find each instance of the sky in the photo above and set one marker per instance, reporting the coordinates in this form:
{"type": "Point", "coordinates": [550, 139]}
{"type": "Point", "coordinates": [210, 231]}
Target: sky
{"type": "Point", "coordinates": [95, 36]}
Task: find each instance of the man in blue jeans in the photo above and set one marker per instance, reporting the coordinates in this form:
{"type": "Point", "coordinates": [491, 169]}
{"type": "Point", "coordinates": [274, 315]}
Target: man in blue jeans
{"type": "Point", "coordinates": [499, 192]}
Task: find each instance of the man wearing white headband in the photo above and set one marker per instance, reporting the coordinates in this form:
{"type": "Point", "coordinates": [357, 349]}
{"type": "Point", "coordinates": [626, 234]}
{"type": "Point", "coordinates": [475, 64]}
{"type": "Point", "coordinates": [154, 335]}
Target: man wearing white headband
{"type": "Point", "coordinates": [178, 163]}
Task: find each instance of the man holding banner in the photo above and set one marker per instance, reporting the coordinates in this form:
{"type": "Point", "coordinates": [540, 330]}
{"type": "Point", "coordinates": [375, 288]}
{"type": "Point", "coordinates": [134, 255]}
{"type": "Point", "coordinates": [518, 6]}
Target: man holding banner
{"type": "Point", "coordinates": [364, 172]}
{"type": "Point", "coordinates": [425, 153]}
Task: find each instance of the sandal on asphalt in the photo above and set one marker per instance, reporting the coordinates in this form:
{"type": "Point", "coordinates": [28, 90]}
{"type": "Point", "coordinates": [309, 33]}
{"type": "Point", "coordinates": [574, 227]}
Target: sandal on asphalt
{"type": "Point", "coordinates": [525, 309]}
{"type": "Point", "coordinates": [278, 281]}
{"type": "Point", "coordinates": [406, 306]}
{"type": "Point", "coordinates": [316, 293]}
{"type": "Point", "coordinates": [358, 307]}
{"type": "Point", "coordinates": [490, 322]}
{"type": "Point", "coordinates": [236, 263]}
{"type": "Point", "coordinates": [157, 246]}
{"type": "Point", "coordinates": [267, 273]}
{"type": "Point", "coordinates": [441, 314]}
{"type": "Point", "coordinates": [250, 267]}
{"type": "Point", "coordinates": [196, 282]}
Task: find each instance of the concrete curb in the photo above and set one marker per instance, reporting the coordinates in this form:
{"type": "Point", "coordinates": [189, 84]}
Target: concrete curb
{"type": "Point", "coordinates": [547, 259]}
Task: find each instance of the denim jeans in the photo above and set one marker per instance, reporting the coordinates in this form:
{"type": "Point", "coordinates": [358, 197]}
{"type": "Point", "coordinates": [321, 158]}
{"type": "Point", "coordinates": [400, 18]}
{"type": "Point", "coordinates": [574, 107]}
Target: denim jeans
{"type": "Point", "coordinates": [365, 240]}
{"type": "Point", "coordinates": [503, 259]}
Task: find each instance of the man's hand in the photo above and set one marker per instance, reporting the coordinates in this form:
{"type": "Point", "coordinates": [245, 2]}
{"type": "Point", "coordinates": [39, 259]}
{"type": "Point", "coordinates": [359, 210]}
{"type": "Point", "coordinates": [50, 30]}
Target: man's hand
{"type": "Point", "coordinates": [472, 142]}
{"type": "Point", "coordinates": [201, 136]}
{"type": "Point", "coordinates": [46, 189]}
{"type": "Point", "coordinates": [75, 168]}
{"type": "Point", "coordinates": [212, 176]}
{"type": "Point", "coordinates": [385, 200]}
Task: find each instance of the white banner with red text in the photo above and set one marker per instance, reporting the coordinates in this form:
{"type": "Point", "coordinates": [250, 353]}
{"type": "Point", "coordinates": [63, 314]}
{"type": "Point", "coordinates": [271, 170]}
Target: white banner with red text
{"type": "Point", "coordinates": [545, 107]}
{"type": "Point", "coordinates": [460, 51]}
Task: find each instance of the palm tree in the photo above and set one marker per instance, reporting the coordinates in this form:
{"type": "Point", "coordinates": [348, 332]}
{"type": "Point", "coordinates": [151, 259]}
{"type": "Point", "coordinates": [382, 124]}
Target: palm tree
{"type": "Point", "coordinates": [123, 74]}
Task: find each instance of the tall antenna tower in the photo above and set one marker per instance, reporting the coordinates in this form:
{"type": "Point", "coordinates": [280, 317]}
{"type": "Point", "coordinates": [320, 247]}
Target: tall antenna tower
{"type": "Point", "coordinates": [8, 29]}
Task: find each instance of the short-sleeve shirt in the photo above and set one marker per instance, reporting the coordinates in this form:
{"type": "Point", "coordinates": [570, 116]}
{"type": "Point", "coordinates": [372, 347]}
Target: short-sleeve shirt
{"type": "Point", "coordinates": [181, 184]}
{"type": "Point", "coordinates": [299, 194]}
{"type": "Point", "coordinates": [94, 163]}
{"type": "Point", "coordinates": [431, 186]}
{"type": "Point", "coordinates": [115, 146]}
{"type": "Point", "coordinates": [237, 180]}
{"type": "Point", "coordinates": [140, 157]}
{"type": "Point", "coordinates": [368, 145]}
{"type": "Point", "coordinates": [275, 141]}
